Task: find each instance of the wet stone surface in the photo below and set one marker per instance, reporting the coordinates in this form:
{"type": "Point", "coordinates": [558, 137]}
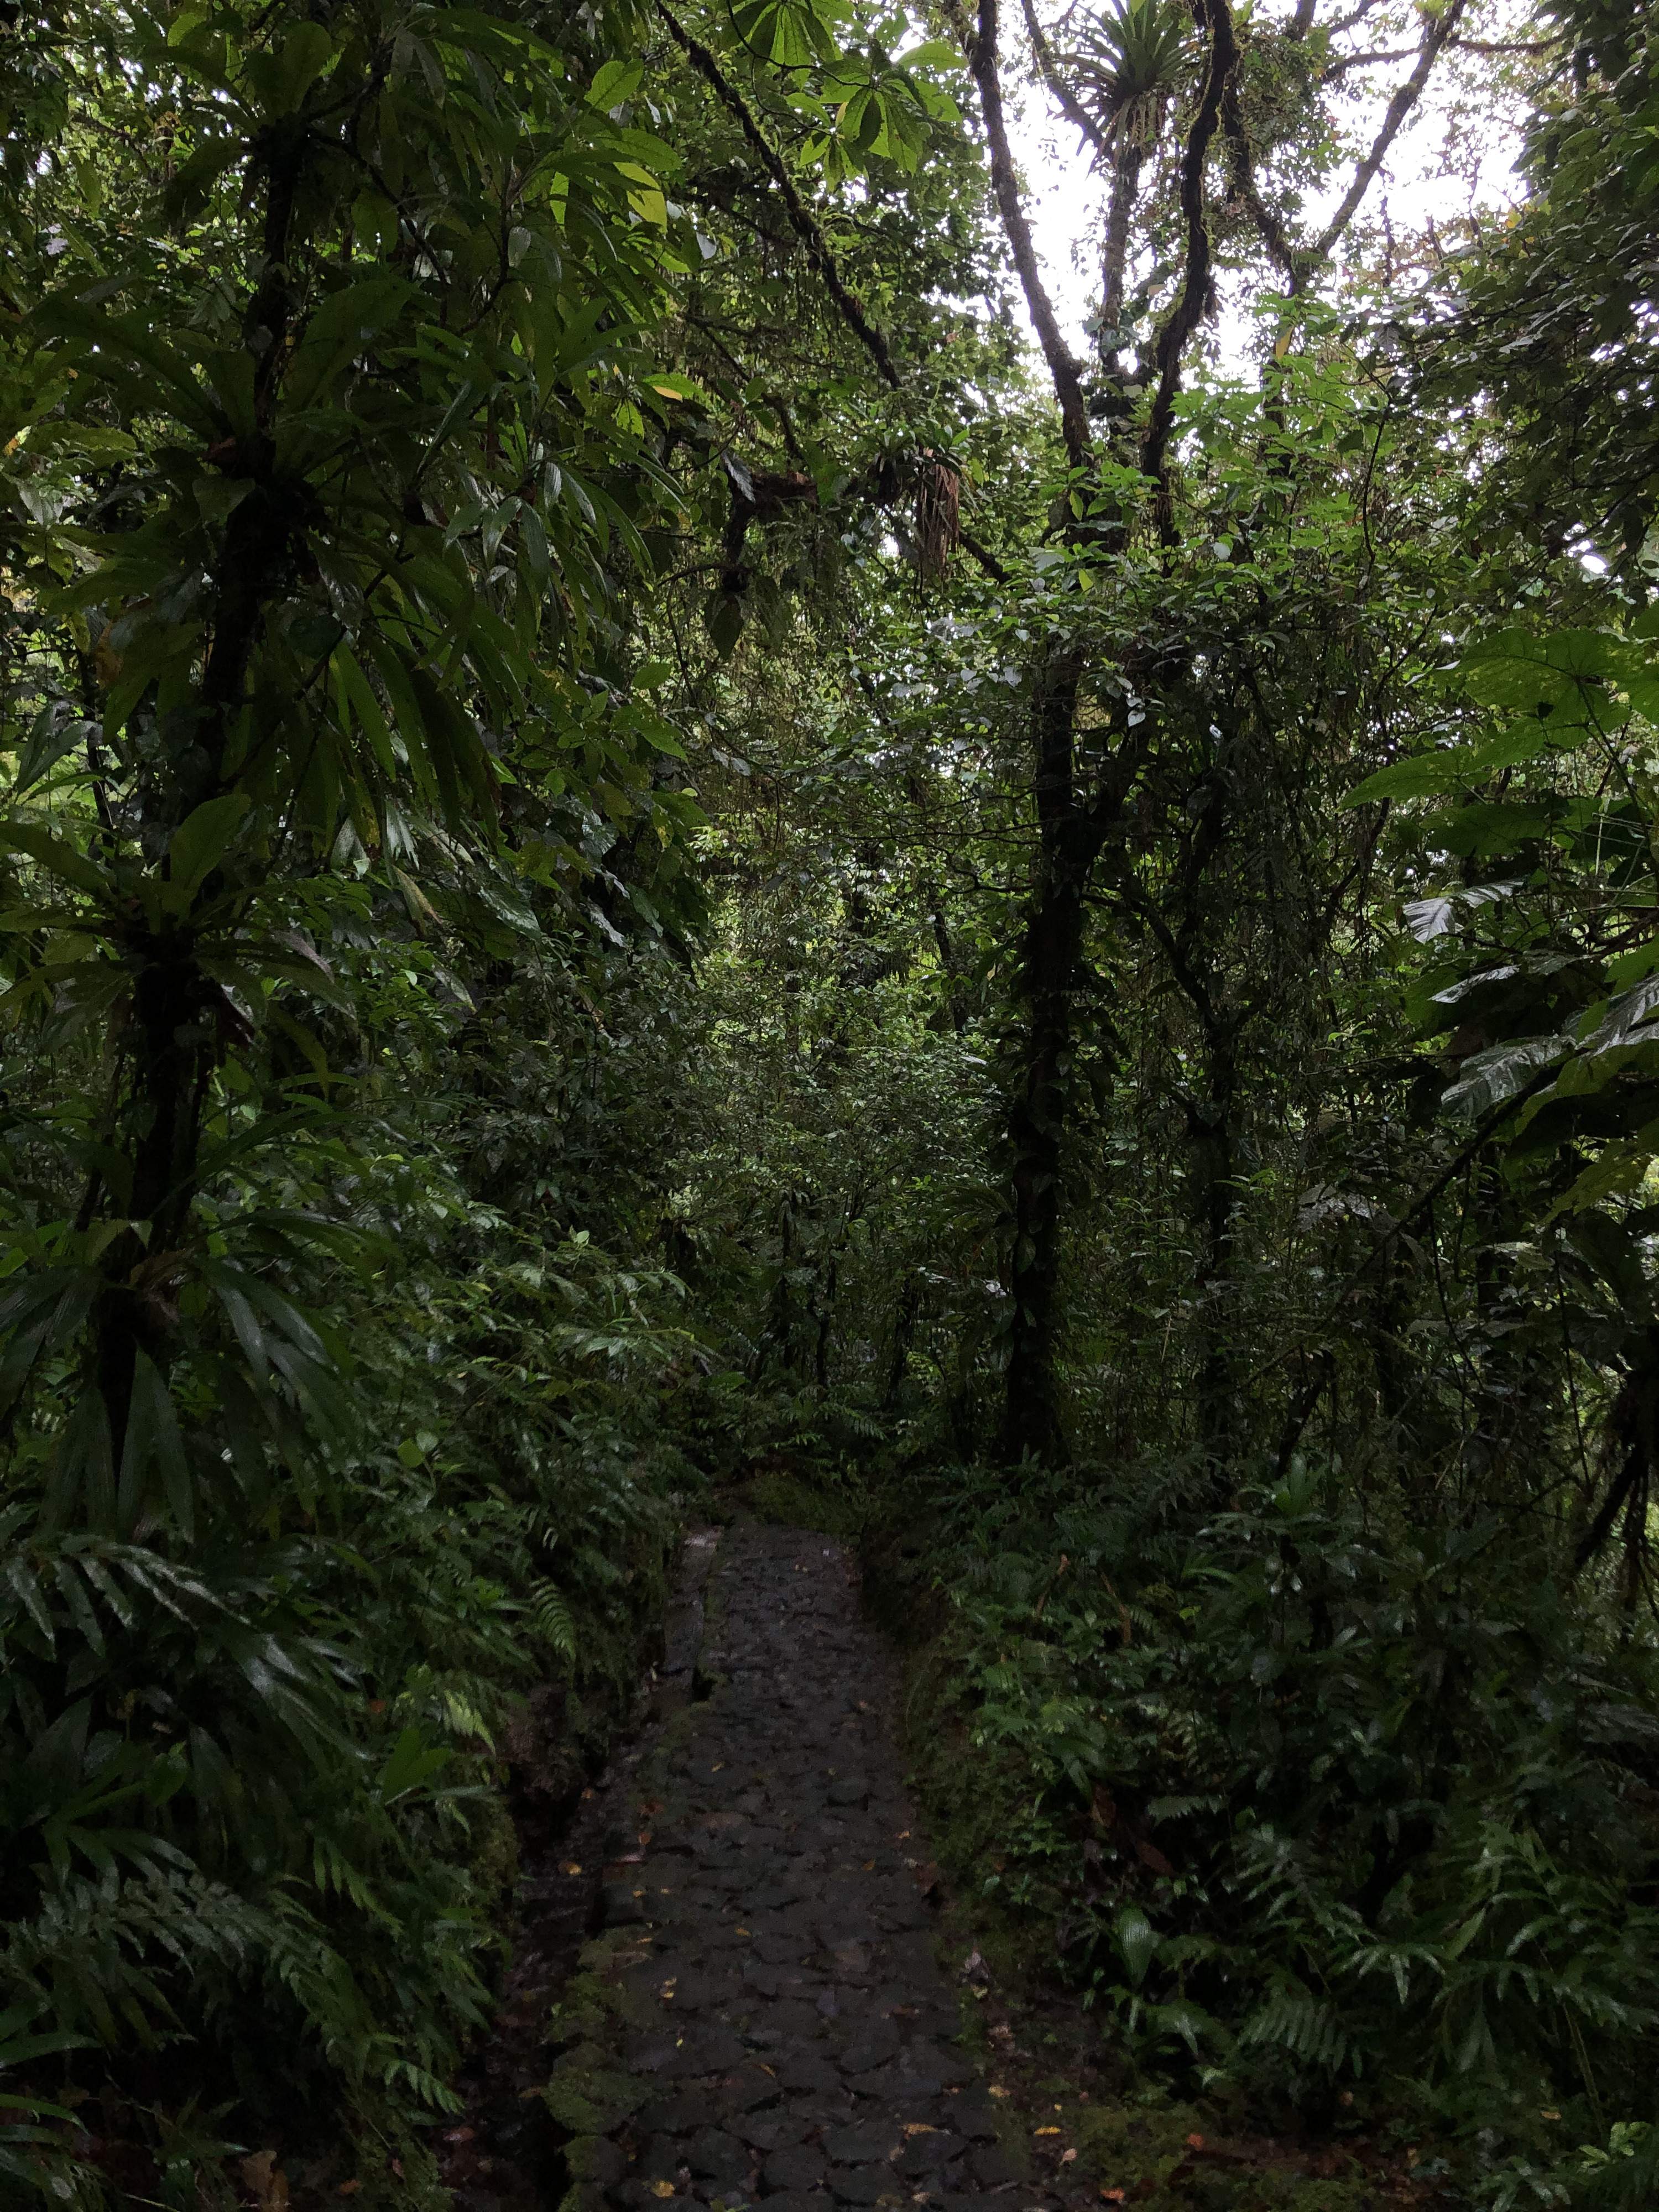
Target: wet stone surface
{"type": "Point", "coordinates": [762, 2019]}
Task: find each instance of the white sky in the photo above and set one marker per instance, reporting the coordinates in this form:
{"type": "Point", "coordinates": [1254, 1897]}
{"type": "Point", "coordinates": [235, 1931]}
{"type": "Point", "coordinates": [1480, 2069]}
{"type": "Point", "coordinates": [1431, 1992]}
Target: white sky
{"type": "Point", "coordinates": [1453, 155]}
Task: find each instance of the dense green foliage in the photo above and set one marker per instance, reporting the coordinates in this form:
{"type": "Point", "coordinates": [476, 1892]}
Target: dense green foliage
{"type": "Point", "coordinates": [637, 847]}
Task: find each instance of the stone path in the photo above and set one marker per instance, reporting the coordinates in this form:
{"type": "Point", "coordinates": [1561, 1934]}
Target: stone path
{"type": "Point", "coordinates": [764, 2017]}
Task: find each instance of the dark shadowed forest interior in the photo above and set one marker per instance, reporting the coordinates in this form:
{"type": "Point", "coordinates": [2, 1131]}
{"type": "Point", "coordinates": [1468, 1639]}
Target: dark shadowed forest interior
{"type": "Point", "coordinates": [671, 858]}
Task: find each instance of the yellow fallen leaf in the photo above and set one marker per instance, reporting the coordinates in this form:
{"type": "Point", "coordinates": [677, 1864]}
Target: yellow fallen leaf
{"type": "Point", "coordinates": [265, 2181]}
{"type": "Point", "coordinates": [662, 2189]}
{"type": "Point", "coordinates": [1045, 2131]}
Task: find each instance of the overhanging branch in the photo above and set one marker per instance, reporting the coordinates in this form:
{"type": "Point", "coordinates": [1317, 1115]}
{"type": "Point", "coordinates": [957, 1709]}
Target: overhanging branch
{"type": "Point", "coordinates": [854, 313]}
{"type": "Point", "coordinates": [1188, 310]}
{"type": "Point", "coordinates": [1437, 30]}
{"type": "Point", "coordinates": [1068, 385]}
{"type": "Point", "coordinates": [1069, 107]}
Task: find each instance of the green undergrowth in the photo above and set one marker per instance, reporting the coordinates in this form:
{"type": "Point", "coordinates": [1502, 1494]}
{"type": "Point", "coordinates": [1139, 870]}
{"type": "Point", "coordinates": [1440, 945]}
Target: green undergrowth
{"type": "Point", "coordinates": [263, 1845]}
{"type": "Point", "coordinates": [1144, 2148]}
{"type": "Point", "coordinates": [1204, 1776]}
{"type": "Point", "coordinates": [831, 1504]}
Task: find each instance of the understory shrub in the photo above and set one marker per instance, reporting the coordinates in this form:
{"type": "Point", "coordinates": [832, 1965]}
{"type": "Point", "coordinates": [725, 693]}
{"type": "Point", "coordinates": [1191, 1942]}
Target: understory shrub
{"type": "Point", "coordinates": [1329, 1814]}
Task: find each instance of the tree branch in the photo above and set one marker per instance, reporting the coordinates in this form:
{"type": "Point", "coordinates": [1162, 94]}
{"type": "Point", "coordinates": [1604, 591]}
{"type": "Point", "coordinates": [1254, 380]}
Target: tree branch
{"type": "Point", "coordinates": [1188, 310]}
{"type": "Point", "coordinates": [1069, 107]}
{"type": "Point", "coordinates": [1068, 387]}
{"type": "Point", "coordinates": [1436, 33]}
{"type": "Point", "coordinates": [853, 310]}
{"type": "Point", "coordinates": [988, 560]}
{"type": "Point", "coordinates": [1274, 236]}
{"type": "Point", "coordinates": [1344, 63]}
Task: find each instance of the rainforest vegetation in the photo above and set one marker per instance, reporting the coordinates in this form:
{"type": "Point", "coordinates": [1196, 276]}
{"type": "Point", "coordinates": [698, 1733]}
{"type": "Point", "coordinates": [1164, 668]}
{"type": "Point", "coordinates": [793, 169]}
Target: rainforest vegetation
{"type": "Point", "coordinates": [649, 838]}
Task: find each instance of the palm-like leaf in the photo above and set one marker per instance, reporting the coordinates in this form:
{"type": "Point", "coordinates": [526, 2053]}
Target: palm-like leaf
{"type": "Point", "coordinates": [1129, 60]}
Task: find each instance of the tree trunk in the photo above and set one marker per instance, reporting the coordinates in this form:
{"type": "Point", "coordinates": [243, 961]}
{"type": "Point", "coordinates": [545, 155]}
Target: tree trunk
{"type": "Point", "coordinates": [173, 1042]}
{"type": "Point", "coordinates": [1031, 1427]}
{"type": "Point", "coordinates": [1211, 1127]}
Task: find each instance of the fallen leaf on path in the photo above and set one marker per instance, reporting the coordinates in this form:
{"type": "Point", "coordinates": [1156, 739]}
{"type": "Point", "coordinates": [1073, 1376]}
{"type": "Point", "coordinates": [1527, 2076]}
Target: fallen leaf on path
{"type": "Point", "coordinates": [1113, 2196]}
{"type": "Point", "coordinates": [265, 2181]}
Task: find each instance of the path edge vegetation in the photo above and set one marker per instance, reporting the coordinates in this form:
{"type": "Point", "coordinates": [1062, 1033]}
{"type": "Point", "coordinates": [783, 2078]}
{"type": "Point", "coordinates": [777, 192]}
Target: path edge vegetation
{"type": "Point", "coordinates": [635, 851]}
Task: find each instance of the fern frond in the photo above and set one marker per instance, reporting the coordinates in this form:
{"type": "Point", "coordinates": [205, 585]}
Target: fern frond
{"type": "Point", "coordinates": [551, 1612]}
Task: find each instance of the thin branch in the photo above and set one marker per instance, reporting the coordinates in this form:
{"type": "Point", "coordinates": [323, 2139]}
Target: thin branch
{"type": "Point", "coordinates": [1511, 46]}
{"type": "Point", "coordinates": [988, 560]}
{"type": "Point", "coordinates": [1069, 107]}
{"type": "Point", "coordinates": [1356, 16]}
{"type": "Point", "coordinates": [1436, 33]}
{"type": "Point", "coordinates": [1342, 63]}
{"type": "Point", "coordinates": [1634, 1468]}
{"type": "Point", "coordinates": [1274, 236]}
{"type": "Point", "coordinates": [1188, 310]}
{"type": "Point", "coordinates": [1489, 1121]}
{"type": "Point", "coordinates": [853, 310]}
{"type": "Point", "coordinates": [1068, 387]}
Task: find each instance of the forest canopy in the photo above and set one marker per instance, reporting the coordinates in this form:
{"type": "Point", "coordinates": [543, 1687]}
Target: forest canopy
{"type": "Point", "coordinates": [655, 841]}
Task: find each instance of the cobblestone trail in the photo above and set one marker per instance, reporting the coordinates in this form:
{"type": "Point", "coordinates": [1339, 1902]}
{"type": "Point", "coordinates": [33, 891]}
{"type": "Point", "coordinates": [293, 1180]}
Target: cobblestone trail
{"type": "Point", "coordinates": [764, 2018]}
